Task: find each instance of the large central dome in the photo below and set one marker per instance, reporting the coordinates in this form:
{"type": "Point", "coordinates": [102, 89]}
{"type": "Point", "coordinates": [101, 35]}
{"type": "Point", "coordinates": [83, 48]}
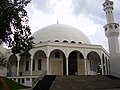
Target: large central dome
{"type": "Point", "coordinates": [60, 33]}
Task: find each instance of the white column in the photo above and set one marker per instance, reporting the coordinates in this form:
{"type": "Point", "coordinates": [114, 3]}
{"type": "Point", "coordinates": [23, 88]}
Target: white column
{"type": "Point", "coordinates": [86, 70]}
{"type": "Point", "coordinates": [18, 67]}
{"type": "Point", "coordinates": [109, 66]}
{"type": "Point", "coordinates": [67, 66]}
{"type": "Point", "coordinates": [48, 66]}
{"type": "Point", "coordinates": [31, 64]}
{"type": "Point", "coordinates": [18, 64]}
{"type": "Point", "coordinates": [102, 66]}
{"type": "Point", "coordinates": [105, 67]}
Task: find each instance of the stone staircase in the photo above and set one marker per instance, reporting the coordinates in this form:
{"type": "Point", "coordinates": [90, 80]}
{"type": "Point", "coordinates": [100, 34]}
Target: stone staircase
{"type": "Point", "coordinates": [82, 82]}
{"type": "Point", "coordinates": [45, 83]}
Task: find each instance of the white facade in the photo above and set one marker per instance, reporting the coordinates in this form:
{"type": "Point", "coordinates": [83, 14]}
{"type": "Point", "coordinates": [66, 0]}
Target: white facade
{"type": "Point", "coordinates": [70, 54]}
{"type": "Point", "coordinates": [85, 53]}
{"type": "Point", "coordinates": [61, 57]}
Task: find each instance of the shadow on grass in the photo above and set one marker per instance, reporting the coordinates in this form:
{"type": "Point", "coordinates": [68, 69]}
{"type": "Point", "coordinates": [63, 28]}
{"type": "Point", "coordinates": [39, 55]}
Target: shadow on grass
{"type": "Point", "coordinates": [11, 84]}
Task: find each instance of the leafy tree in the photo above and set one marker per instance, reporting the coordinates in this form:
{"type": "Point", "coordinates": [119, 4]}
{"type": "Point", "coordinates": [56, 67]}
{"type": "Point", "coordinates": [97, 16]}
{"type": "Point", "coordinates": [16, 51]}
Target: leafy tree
{"type": "Point", "coordinates": [14, 28]}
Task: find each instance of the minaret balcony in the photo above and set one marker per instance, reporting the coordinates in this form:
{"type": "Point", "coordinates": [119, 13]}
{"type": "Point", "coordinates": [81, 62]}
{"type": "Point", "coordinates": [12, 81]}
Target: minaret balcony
{"type": "Point", "coordinates": [112, 29]}
{"type": "Point", "coordinates": [108, 5]}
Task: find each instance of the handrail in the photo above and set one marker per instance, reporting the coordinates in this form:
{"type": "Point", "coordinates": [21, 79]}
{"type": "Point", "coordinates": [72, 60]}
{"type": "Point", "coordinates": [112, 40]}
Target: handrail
{"type": "Point", "coordinates": [40, 77]}
{"type": "Point", "coordinates": [115, 74]}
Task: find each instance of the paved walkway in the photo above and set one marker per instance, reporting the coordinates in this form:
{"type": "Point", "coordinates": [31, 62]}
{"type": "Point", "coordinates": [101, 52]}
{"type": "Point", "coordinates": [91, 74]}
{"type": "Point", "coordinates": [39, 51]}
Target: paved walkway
{"type": "Point", "coordinates": [82, 82]}
{"type": "Point", "coordinates": [85, 83]}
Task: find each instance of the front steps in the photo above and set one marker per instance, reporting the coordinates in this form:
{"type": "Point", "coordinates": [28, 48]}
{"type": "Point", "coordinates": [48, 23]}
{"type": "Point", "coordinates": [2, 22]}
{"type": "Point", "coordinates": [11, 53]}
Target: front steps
{"type": "Point", "coordinates": [45, 83]}
{"type": "Point", "coordinates": [82, 82]}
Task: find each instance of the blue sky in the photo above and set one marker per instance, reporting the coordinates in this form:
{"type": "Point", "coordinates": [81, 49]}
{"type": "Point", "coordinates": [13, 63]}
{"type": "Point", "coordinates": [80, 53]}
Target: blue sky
{"type": "Point", "coordinates": [86, 15]}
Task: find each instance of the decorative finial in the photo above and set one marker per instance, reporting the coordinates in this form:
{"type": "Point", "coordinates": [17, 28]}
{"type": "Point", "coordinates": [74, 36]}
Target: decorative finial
{"type": "Point", "coordinates": [57, 22]}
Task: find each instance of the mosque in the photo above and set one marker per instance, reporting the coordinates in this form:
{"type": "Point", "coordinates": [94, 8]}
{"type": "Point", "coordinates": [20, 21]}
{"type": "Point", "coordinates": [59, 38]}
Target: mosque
{"type": "Point", "coordinates": [64, 50]}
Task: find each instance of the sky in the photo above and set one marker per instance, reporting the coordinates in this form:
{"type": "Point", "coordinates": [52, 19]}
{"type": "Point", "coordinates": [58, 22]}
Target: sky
{"type": "Point", "coordinates": [86, 15]}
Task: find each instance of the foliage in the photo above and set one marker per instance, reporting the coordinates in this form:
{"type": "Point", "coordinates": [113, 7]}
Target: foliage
{"type": "Point", "coordinates": [14, 28]}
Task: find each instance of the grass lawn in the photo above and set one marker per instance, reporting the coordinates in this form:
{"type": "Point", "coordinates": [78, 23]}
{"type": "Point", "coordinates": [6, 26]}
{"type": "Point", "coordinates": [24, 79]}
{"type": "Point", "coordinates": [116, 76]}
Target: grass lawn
{"type": "Point", "coordinates": [10, 84]}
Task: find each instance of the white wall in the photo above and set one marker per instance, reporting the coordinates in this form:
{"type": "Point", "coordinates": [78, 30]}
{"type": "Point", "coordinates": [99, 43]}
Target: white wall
{"type": "Point", "coordinates": [56, 64]}
{"type": "Point", "coordinates": [3, 72]}
{"type": "Point", "coordinates": [115, 64]}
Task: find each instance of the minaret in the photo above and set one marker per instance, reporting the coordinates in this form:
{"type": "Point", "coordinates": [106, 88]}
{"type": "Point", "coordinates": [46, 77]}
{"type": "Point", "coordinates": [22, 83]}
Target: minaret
{"type": "Point", "coordinates": [111, 28]}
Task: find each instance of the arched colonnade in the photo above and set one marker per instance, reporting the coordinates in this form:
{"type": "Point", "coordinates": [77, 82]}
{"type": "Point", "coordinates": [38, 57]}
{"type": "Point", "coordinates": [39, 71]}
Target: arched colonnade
{"type": "Point", "coordinates": [60, 62]}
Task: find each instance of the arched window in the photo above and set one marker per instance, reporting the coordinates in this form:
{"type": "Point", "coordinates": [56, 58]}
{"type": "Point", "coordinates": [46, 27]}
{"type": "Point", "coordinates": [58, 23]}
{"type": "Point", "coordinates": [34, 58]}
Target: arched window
{"type": "Point", "coordinates": [115, 26]}
{"type": "Point", "coordinates": [111, 3]}
{"type": "Point", "coordinates": [33, 67]}
{"type": "Point", "coordinates": [72, 41]}
{"type": "Point", "coordinates": [40, 42]}
{"type": "Point", "coordinates": [111, 27]}
{"type": "Point", "coordinates": [39, 64]}
{"type": "Point", "coordinates": [57, 41]}
{"type": "Point", "coordinates": [27, 66]}
{"type": "Point", "coordinates": [57, 55]}
{"type": "Point", "coordinates": [65, 41]}
{"type": "Point", "coordinates": [107, 4]}
{"type": "Point", "coordinates": [105, 28]}
{"type": "Point", "coordinates": [80, 42]}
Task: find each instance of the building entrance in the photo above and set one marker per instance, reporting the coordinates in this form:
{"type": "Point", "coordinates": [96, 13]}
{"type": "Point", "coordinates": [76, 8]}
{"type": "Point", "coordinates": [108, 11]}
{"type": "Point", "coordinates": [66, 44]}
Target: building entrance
{"type": "Point", "coordinates": [72, 63]}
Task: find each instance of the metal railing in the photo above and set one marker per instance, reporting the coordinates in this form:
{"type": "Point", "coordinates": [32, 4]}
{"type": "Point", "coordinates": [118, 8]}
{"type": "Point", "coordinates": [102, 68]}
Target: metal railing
{"type": "Point", "coordinates": [24, 80]}
{"type": "Point", "coordinates": [115, 74]}
{"type": "Point", "coordinates": [40, 77]}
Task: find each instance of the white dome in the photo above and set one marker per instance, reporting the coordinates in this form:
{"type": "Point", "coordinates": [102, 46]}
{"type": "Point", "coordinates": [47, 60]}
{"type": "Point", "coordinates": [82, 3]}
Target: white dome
{"type": "Point", "coordinates": [60, 32]}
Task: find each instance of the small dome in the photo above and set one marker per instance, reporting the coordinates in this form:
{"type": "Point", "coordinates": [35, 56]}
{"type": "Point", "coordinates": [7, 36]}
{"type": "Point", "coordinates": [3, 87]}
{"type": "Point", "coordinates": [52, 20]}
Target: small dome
{"type": "Point", "coordinates": [60, 33]}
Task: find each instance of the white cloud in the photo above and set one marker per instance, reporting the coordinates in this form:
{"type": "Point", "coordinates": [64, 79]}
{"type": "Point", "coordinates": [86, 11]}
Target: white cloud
{"type": "Point", "coordinates": [90, 17]}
